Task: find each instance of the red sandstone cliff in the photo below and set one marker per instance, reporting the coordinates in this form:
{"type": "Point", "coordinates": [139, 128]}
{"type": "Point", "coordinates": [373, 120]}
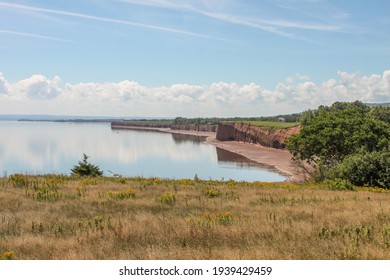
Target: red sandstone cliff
{"type": "Point", "coordinates": [225, 131]}
{"type": "Point", "coordinates": [194, 127]}
{"type": "Point", "coordinates": [254, 134]}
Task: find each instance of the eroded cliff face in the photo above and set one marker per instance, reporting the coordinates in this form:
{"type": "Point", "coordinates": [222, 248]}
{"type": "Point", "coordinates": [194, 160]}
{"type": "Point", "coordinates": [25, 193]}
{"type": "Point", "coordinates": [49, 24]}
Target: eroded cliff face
{"type": "Point", "coordinates": [254, 134]}
{"type": "Point", "coordinates": [194, 127]}
{"type": "Point", "coordinates": [225, 131]}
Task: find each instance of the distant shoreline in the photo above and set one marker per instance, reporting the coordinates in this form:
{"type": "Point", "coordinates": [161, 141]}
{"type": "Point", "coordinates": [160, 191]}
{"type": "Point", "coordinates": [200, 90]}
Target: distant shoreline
{"type": "Point", "coordinates": [276, 158]}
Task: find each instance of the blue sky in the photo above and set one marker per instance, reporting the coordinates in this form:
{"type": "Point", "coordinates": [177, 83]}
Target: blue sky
{"type": "Point", "coordinates": [191, 58]}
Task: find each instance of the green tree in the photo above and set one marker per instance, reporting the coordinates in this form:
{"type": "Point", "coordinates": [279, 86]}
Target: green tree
{"type": "Point", "coordinates": [330, 134]}
{"type": "Point", "coordinates": [381, 113]}
{"type": "Point", "coordinates": [84, 168]}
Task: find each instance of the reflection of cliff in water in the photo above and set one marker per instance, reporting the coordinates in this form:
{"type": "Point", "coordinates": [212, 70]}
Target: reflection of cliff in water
{"type": "Point", "coordinates": [182, 138]}
{"type": "Point", "coordinates": [234, 160]}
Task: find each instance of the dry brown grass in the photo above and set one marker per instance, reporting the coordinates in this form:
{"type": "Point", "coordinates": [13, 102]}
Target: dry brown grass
{"type": "Point", "coordinates": [53, 217]}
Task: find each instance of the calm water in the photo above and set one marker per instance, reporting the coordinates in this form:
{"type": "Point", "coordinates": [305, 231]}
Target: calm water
{"type": "Point", "coordinates": [48, 147]}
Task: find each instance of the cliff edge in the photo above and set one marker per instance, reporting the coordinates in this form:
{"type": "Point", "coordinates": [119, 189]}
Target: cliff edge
{"type": "Point", "coordinates": [248, 133]}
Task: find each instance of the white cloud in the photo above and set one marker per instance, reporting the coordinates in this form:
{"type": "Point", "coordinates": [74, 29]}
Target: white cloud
{"type": "Point", "coordinates": [41, 95]}
{"type": "Point", "coordinates": [3, 84]}
{"type": "Point", "coordinates": [38, 87]}
{"type": "Point", "coordinates": [386, 80]}
{"type": "Point", "coordinates": [129, 90]}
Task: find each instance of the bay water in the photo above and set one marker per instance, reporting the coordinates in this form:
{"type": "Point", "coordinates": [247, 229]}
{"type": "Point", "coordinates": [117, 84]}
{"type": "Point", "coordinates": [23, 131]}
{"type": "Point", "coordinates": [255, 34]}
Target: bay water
{"type": "Point", "coordinates": [55, 147]}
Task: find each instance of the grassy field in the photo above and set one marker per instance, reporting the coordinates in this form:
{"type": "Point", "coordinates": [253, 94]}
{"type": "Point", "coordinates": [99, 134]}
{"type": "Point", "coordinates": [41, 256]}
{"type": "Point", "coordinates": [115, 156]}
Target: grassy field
{"type": "Point", "coordinates": [59, 217]}
{"type": "Point", "coordinates": [272, 124]}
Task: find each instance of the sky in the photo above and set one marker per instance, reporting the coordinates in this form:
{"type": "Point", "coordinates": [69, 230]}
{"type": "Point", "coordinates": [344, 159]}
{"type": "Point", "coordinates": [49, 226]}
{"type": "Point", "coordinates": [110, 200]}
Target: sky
{"type": "Point", "coordinates": [191, 58]}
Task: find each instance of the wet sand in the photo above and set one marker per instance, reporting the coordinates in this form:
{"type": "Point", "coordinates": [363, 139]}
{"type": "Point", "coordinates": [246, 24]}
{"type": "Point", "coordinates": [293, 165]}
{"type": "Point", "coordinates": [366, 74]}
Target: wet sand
{"type": "Point", "coordinates": [276, 158]}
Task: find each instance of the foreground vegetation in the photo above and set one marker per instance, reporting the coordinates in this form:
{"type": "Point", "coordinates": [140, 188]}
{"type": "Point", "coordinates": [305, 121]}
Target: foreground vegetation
{"type": "Point", "coordinates": [62, 217]}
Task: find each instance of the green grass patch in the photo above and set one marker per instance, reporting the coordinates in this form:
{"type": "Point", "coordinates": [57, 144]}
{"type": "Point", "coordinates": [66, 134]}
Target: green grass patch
{"type": "Point", "coordinates": [268, 124]}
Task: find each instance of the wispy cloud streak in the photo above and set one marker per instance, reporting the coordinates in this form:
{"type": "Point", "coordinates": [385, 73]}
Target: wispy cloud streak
{"type": "Point", "coordinates": [33, 35]}
{"type": "Point", "coordinates": [273, 26]}
{"type": "Point", "coordinates": [108, 20]}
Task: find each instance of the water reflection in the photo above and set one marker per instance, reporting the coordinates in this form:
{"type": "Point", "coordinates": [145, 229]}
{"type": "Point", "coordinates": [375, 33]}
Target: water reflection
{"type": "Point", "coordinates": [34, 147]}
{"type": "Point", "coordinates": [182, 138]}
{"type": "Point", "coordinates": [229, 159]}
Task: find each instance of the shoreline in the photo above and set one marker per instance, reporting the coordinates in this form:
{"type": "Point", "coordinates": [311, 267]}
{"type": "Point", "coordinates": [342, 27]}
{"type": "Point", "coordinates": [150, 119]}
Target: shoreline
{"type": "Point", "coordinates": [275, 158]}
{"type": "Point", "coordinates": [280, 160]}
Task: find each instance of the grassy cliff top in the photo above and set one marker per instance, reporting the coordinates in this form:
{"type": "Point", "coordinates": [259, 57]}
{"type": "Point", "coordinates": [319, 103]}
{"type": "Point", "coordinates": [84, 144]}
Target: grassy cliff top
{"type": "Point", "coordinates": [269, 124]}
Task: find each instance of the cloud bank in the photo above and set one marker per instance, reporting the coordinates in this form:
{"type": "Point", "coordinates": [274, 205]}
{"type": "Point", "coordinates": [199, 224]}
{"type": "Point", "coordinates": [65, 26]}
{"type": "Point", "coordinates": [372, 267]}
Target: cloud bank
{"type": "Point", "coordinates": [41, 95]}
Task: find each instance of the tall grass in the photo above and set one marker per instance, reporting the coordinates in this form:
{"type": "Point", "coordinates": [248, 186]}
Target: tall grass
{"type": "Point", "coordinates": [58, 217]}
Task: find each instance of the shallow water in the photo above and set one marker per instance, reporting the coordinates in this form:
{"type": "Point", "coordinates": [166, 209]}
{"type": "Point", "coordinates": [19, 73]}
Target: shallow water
{"type": "Point", "coordinates": [54, 147]}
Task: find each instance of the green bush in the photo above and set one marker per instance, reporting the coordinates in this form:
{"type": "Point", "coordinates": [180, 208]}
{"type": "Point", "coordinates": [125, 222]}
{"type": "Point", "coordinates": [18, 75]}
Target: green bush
{"type": "Point", "coordinates": [366, 169]}
{"type": "Point", "coordinates": [7, 255]}
{"type": "Point", "coordinates": [19, 180]}
{"type": "Point", "coordinates": [124, 194]}
{"type": "Point", "coordinates": [338, 184]}
{"type": "Point", "coordinates": [212, 193]}
{"type": "Point", "coordinates": [167, 198]}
